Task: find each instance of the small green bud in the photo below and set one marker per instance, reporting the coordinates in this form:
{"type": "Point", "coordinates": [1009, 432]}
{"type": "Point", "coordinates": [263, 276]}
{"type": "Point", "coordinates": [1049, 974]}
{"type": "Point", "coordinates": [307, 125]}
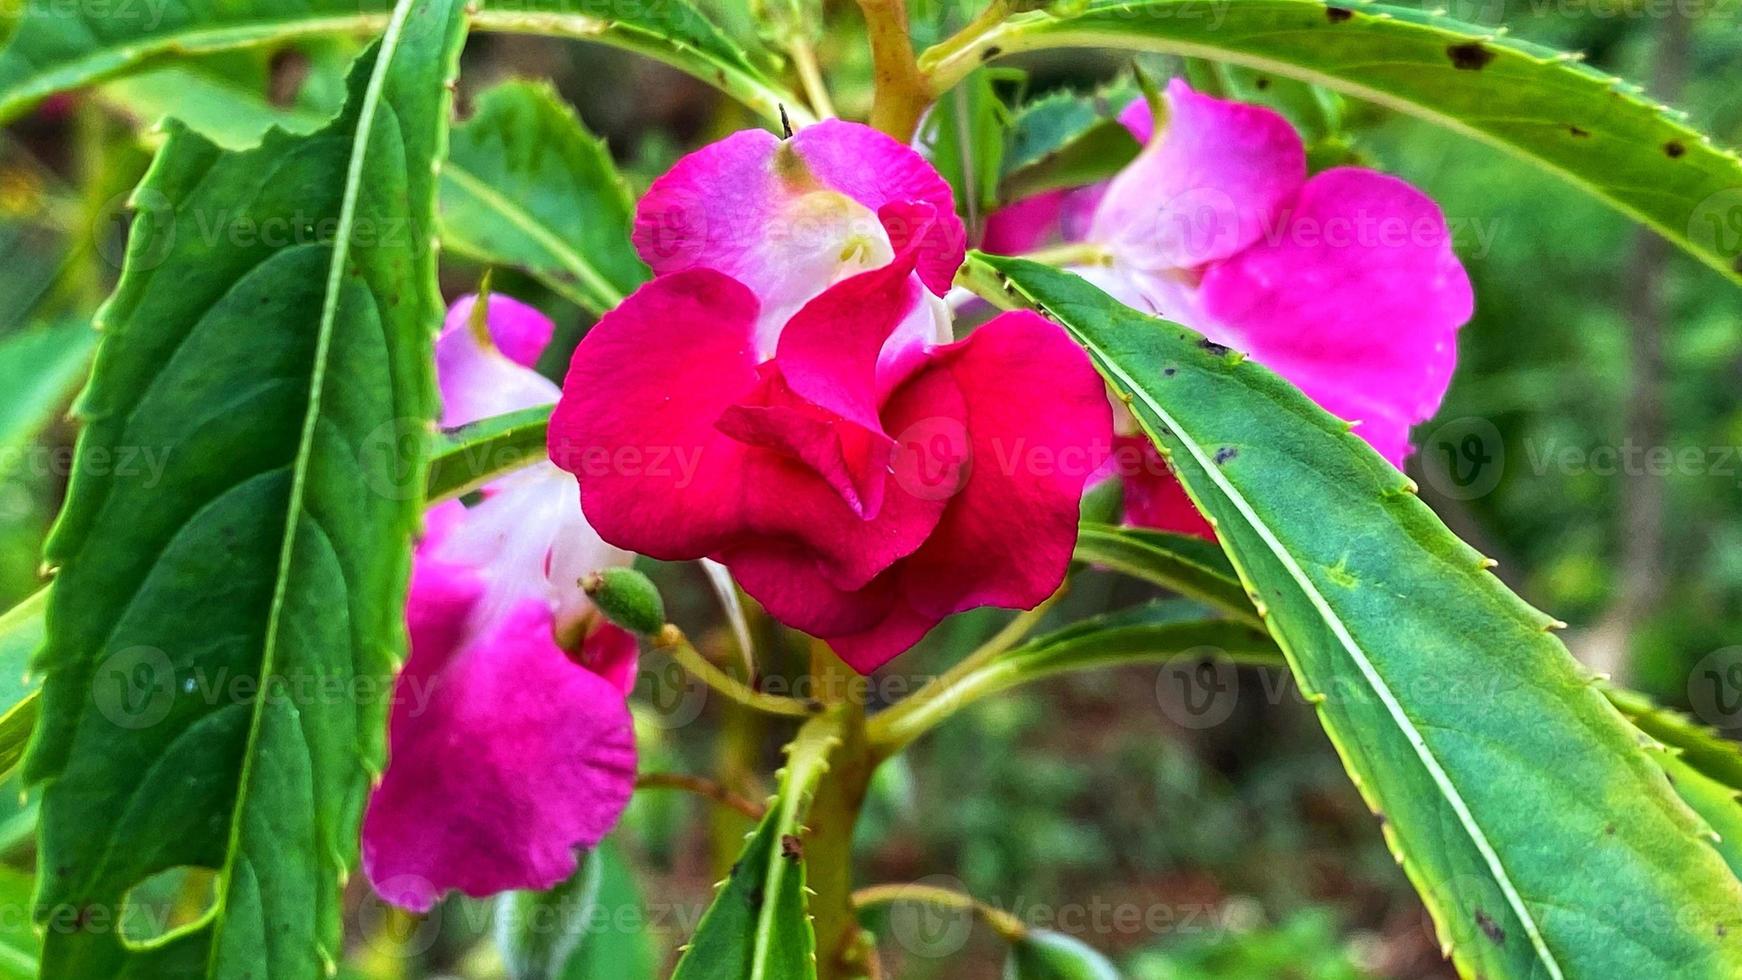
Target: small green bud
{"type": "Point", "coordinates": [627, 598]}
{"type": "Point", "coordinates": [1043, 955]}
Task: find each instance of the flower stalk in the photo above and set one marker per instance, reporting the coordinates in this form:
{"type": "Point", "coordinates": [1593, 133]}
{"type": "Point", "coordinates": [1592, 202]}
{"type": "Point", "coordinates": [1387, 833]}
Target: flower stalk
{"type": "Point", "coordinates": [903, 93]}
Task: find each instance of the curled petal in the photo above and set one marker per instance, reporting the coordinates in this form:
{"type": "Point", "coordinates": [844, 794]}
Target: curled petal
{"type": "Point", "coordinates": [636, 422]}
{"type": "Point", "coordinates": [481, 376]}
{"type": "Point", "coordinates": [1039, 426]}
{"type": "Point", "coordinates": [505, 756]}
{"type": "Point", "coordinates": [1357, 300]}
{"type": "Point", "coordinates": [1206, 188]}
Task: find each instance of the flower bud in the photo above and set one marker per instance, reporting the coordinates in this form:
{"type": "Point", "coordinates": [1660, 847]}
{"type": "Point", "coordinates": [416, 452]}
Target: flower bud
{"type": "Point", "coordinates": [627, 598]}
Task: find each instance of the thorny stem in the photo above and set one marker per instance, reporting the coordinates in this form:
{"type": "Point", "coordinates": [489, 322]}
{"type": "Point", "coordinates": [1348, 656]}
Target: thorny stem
{"type": "Point", "coordinates": [843, 949]}
{"type": "Point", "coordinates": [705, 788]}
{"type": "Point", "coordinates": [902, 92]}
{"type": "Point", "coordinates": [673, 640]}
{"type": "Point", "coordinates": [1008, 926]}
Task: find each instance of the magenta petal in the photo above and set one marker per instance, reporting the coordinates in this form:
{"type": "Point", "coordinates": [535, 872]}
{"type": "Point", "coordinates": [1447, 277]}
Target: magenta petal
{"type": "Point", "coordinates": [789, 218]}
{"type": "Point", "coordinates": [613, 653]}
{"type": "Point", "coordinates": [518, 330]}
{"type": "Point", "coordinates": [829, 352]}
{"type": "Point", "coordinates": [1357, 300]}
{"type": "Point", "coordinates": [1208, 187]}
{"type": "Point", "coordinates": [505, 756]}
{"type": "Point", "coordinates": [1153, 494]}
{"type": "Point", "coordinates": [1040, 426]}
{"type": "Point", "coordinates": [480, 378]}
{"type": "Point", "coordinates": [851, 459]}
{"type": "Point", "coordinates": [938, 241]}
{"type": "Point", "coordinates": [636, 423]}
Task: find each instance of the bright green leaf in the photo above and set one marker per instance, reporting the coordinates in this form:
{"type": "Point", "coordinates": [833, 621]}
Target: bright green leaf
{"type": "Point", "coordinates": [1190, 566]}
{"type": "Point", "coordinates": [223, 630]}
{"type": "Point", "coordinates": [39, 370]}
{"type": "Point", "coordinates": [964, 138]}
{"type": "Point", "coordinates": [61, 46]}
{"type": "Point", "coordinates": [526, 185]}
{"type": "Point", "coordinates": [1520, 803]}
{"type": "Point", "coordinates": [21, 635]}
{"type": "Point", "coordinates": [1044, 955]}
{"type": "Point", "coordinates": [472, 455]}
{"type": "Point", "coordinates": [1542, 105]}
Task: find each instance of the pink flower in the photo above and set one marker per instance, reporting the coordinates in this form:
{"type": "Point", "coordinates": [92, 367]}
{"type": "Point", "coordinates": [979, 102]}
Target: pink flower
{"type": "Point", "coordinates": [507, 751]}
{"type": "Point", "coordinates": [783, 398]}
{"type": "Point", "coordinates": [1343, 282]}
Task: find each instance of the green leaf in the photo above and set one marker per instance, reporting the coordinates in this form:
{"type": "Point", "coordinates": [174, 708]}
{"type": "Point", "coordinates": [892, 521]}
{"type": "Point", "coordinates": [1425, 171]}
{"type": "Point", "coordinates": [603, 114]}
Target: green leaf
{"type": "Point", "coordinates": [223, 631]}
{"type": "Point", "coordinates": [1068, 140]}
{"type": "Point", "coordinates": [577, 930]}
{"type": "Point", "coordinates": [19, 944]}
{"type": "Point", "coordinates": [225, 96]}
{"type": "Point", "coordinates": [472, 455]}
{"type": "Point", "coordinates": [1543, 105]}
{"type": "Point", "coordinates": [39, 370]}
{"type": "Point", "coordinates": [1044, 955]}
{"type": "Point", "coordinates": [757, 927]}
{"type": "Point", "coordinates": [964, 138]}
{"type": "Point", "coordinates": [526, 185]}
{"type": "Point", "coordinates": [1190, 566]}
{"type": "Point", "coordinates": [21, 635]}
{"type": "Point", "coordinates": [61, 46]}
{"type": "Point", "coordinates": [1704, 766]}
{"type": "Point", "coordinates": [1542, 838]}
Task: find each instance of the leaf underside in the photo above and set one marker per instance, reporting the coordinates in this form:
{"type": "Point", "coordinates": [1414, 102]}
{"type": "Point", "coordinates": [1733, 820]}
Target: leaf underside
{"type": "Point", "coordinates": [222, 634]}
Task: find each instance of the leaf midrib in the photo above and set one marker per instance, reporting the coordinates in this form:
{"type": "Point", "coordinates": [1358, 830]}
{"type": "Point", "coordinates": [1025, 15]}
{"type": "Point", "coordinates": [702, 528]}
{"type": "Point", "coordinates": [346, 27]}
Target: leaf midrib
{"type": "Point", "coordinates": [604, 296]}
{"type": "Point", "coordinates": [1425, 755]}
{"type": "Point", "coordinates": [360, 145]}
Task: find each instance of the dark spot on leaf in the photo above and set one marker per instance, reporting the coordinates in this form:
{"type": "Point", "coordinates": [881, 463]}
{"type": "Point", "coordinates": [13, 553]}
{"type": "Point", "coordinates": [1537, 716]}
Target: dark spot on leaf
{"type": "Point", "coordinates": [1213, 347]}
{"type": "Point", "coordinates": [1609, 829]}
{"type": "Point", "coordinates": [755, 895]}
{"type": "Point", "coordinates": [1470, 56]}
{"type": "Point", "coordinates": [1262, 83]}
{"type": "Point", "coordinates": [1226, 453]}
{"type": "Point", "coordinates": [1490, 928]}
{"type": "Point", "coordinates": [1338, 15]}
{"type": "Point", "coordinates": [1576, 131]}
{"type": "Point", "coordinates": [1674, 148]}
{"type": "Point", "coordinates": [991, 52]}
{"type": "Point", "coordinates": [791, 847]}
{"type": "Point", "coordinates": [1169, 372]}
{"type": "Point", "coordinates": [1722, 931]}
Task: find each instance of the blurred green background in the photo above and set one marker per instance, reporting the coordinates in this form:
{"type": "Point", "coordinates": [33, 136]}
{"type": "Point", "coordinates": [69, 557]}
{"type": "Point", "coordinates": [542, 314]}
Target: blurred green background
{"type": "Point", "coordinates": [1183, 843]}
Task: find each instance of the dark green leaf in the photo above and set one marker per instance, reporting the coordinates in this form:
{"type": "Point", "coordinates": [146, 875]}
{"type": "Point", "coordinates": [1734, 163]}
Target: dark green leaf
{"type": "Point", "coordinates": [223, 631]}
{"type": "Point", "coordinates": [1520, 803]}
{"type": "Point", "coordinates": [964, 138]}
{"type": "Point", "coordinates": [1068, 140]}
{"type": "Point", "coordinates": [757, 927]}
{"type": "Point", "coordinates": [1545, 106]}
{"type": "Point", "coordinates": [526, 185]}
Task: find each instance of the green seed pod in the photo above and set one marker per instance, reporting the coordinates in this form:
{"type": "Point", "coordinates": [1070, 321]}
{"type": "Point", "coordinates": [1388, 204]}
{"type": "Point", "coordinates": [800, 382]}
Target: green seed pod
{"type": "Point", "coordinates": [627, 598]}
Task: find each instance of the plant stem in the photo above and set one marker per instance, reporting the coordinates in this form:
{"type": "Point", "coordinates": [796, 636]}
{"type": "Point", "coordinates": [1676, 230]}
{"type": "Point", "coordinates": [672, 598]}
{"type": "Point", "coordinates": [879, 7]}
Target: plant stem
{"type": "Point", "coordinates": [673, 640]}
{"type": "Point", "coordinates": [902, 92]}
{"type": "Point", "coordinates": [810, 77]}
{"type": "Point", "coordinates": [705, 788]}
{"type": "Point", "coordinates": [1071, 253]}
{"type": "Point", "coordinates": [843, 949]}
{"type": "Point", "coordinates": [1003, 923]}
